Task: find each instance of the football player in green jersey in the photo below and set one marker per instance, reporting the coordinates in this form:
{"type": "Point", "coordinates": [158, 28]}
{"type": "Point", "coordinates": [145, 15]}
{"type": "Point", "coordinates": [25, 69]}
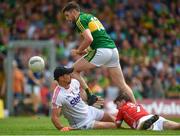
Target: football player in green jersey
{"type": "Point", "coordinates": [100, 49]}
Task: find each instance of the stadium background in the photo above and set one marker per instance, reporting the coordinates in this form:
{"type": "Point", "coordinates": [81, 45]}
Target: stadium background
{"type": "Point", "coordinates": [147, 35]}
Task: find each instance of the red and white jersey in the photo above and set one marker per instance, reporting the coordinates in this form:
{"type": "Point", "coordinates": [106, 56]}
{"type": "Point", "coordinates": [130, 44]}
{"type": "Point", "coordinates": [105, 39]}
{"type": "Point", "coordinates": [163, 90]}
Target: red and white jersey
{"type": "Point", "coordinates": [131, 113]}
{"type": "Point", "coordinates": [73, 107]}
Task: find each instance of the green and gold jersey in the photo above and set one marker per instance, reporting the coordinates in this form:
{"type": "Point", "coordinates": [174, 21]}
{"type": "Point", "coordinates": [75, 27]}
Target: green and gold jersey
{"type": "Point", "coordinates": [100, 38]}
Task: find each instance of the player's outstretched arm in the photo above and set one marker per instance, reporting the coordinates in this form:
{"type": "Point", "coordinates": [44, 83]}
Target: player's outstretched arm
{"type": "Point", "coordinates": [83, 47]}
{"type": "Point", "coordinates": [83, 94]}
{"type": "Point", "coordinates": [88, 39]}
{"type": "Point", "coordinates": [55, 117]}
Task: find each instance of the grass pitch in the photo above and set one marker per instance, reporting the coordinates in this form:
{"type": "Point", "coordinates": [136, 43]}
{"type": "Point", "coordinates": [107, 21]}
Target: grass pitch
{"type": "Point", "coordinates": [43, 126]}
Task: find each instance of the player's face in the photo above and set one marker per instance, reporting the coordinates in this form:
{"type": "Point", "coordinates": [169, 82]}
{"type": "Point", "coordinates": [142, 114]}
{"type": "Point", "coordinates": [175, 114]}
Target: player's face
{"type": "Point", "coordinates": [65, 79]}
{"type": "Point", "coordinates": [69, 16]}
{"type": "Point", "coordinates": [119, 103]}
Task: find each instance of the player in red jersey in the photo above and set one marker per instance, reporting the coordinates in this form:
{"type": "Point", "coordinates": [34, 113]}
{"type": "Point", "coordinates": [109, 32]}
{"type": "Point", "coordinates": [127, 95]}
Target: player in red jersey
{"type": "Point", "coordinates": [138, 118]}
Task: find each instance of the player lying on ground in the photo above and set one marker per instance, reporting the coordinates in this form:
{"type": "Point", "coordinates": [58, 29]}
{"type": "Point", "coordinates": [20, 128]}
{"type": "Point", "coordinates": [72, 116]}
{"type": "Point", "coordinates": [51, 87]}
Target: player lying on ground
{"type": "Point", "coordinates": [138, 118]}
{"type": "Point", "coordinates": [67, 99]}
{"type": "Point", "coordinates": [102, 49]}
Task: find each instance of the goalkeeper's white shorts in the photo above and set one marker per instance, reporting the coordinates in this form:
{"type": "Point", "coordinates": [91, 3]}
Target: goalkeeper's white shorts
{"type": "Point", "coordinates": [94, 114]}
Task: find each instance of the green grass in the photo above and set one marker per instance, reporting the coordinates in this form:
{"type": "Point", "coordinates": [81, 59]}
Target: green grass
{"type": "Point", "coordinates": [43, 126]}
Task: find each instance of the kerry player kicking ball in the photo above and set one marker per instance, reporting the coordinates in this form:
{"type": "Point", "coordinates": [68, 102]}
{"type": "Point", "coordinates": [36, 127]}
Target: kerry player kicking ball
{"type": "Point", "coordinates": [98, 47]}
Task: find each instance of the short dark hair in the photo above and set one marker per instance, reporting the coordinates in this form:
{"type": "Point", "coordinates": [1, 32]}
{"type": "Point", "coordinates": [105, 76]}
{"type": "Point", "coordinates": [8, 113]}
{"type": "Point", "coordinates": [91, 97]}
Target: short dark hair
{"type": "Point", "coordinates": [71, 5]}
{"type": "Point", "coordinates": [122, 96]}
{"type": "Point", "coordinates": [61, 70]}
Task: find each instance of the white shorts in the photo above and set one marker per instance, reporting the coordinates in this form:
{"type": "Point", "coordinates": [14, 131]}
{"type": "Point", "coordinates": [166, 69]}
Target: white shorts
{"type": "Point", "coordinates": [157, 126]}
{"type": "Point", "coordinates": [103, 57]}
{"type": "Point", "coordinates": [94, 114]}
{"type": "Point", "coordinates": [29, 89]}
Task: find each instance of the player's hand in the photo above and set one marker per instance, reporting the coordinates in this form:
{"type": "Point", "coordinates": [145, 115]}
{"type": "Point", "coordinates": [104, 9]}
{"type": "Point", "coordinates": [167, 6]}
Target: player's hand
{"type": "Point", "coordinates": [66, 129]}
{"type": "Point", "coordinates": [75, 52]}
{"type": "Point", "coordinates": [92, 99]}
{"type": "Point", "coordinates": [99, 103]}
{"type": "Point", "coordinates": [83, 52]}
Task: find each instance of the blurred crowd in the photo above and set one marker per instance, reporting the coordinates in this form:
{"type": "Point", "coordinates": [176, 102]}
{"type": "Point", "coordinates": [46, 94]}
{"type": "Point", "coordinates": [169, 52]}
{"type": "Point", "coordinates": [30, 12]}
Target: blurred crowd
{"type": "Point", "coordinates": [147, 35]}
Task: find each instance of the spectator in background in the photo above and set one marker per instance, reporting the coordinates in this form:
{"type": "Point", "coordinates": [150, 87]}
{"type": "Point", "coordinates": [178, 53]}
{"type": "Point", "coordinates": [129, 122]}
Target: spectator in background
{"type": "Point", "coordinates": [45, 98]}
{"type": "Point", "coordinates": [2, 79]}
{"type": "Point", "coordinates": [18, 86]}
{"type": "Point", "coordinates": [148, 90]}
{"type": "Point", "coordinates": [137, 88]}
{"type": "Point", "coordinates": [96, 88]}
{"type": "Point", "coordinates": [111, 92]}
{"type": "Point", "coordinates": [158, 91]}
{"type": "Point", "coordinates": [177, 71]}
{"type": "Point", "coordinates": [34, 83]}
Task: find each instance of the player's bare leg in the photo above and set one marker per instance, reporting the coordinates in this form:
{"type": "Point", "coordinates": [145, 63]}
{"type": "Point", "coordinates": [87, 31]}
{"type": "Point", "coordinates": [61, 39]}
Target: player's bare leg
{"type": "Point", "coordinates": [118, 79]}
{"type": "Point", "coordinates": [104, 125]}
{"type": "Point", "coordinates": [82, 65]}
{"type": "Point", "coordinates": [106, 122]}
{"type": "Point", "coordinates": [108, 118]}
{"type": "Point", "coordinates": [171, 125]}
{"type": "Point", "coordinates": [77, 75]}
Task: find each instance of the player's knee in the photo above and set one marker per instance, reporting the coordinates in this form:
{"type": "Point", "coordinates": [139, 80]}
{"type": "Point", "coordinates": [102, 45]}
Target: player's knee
{"type": "Point", "coordinates": [108, 117]}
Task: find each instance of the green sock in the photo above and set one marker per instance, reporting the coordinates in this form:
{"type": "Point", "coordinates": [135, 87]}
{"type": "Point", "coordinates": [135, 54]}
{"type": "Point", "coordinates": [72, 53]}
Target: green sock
{"type": "Point", "coordinates": [88, 92]}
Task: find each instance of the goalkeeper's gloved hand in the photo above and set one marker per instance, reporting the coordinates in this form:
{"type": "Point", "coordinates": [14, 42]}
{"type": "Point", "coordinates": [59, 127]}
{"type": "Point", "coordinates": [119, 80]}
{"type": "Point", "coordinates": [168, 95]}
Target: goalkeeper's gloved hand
{"type": "Point", "coordinates": [92, 99]}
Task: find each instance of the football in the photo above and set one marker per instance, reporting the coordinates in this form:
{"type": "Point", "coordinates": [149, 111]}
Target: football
{"type": "Point", "coordinates": [36, 64]}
